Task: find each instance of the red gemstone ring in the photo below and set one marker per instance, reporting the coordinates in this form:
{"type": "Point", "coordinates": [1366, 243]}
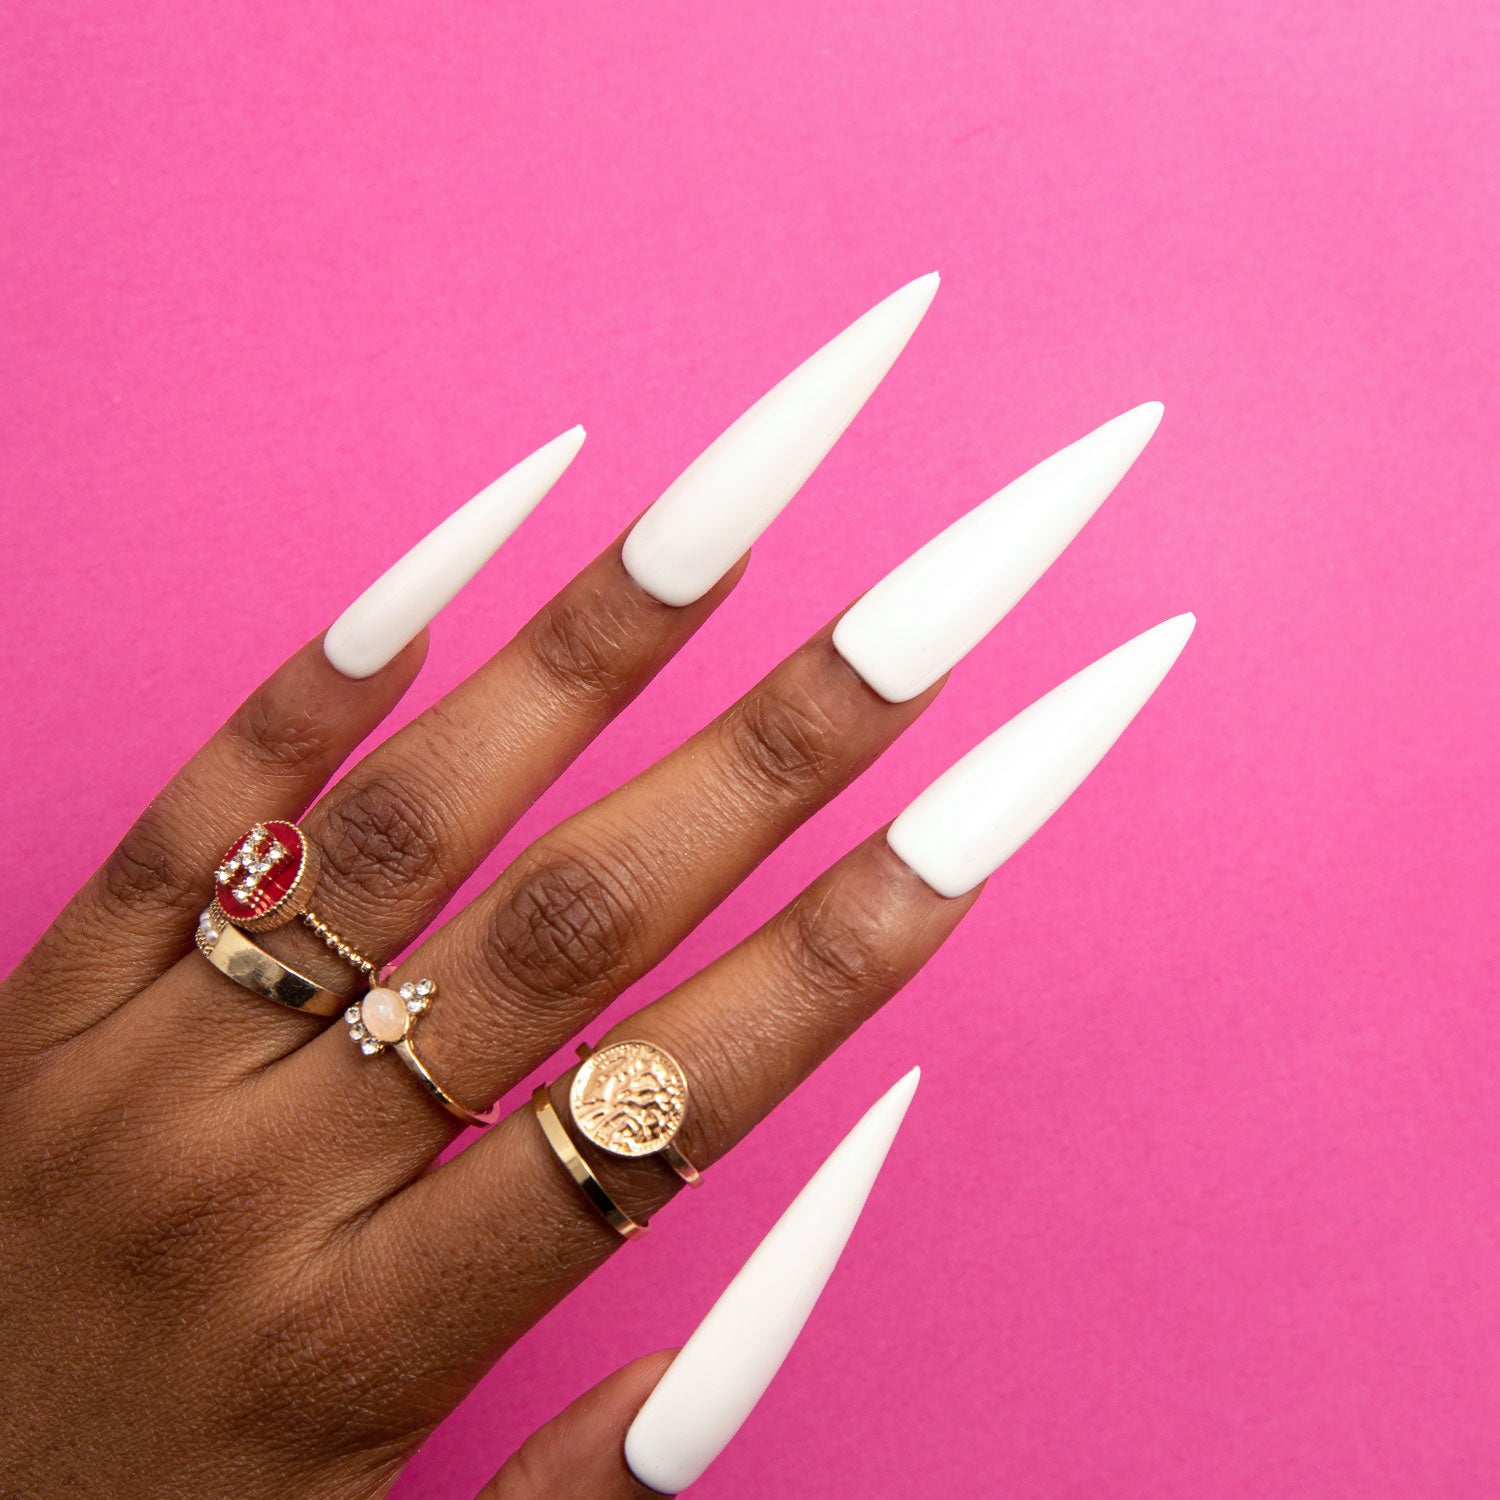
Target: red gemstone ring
{"type": "Point", "coordinates": [267, 879]}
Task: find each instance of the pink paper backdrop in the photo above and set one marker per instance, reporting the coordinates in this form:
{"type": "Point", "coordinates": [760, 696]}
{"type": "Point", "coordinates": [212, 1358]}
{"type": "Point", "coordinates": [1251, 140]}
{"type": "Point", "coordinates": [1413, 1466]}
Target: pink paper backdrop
{"type": "Point", "coordinates": [1199, 1195]}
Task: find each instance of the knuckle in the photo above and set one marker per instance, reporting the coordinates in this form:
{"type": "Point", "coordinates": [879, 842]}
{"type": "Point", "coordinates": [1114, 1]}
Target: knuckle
{"type": "Point", "coordinates": [147, 873]}
{"type": "Point", "coordinates": [564, 929]}
{"type": "Point", "coordinates": [380, 838]}
{"type": "Point", "coordinates": [782, 738]}
{"type": "Point", "coordinates": [584, 647]}
{"type": "Point", "coordinates": [279, 732]}
{"type": "Point", "coordinates": [839, 949]}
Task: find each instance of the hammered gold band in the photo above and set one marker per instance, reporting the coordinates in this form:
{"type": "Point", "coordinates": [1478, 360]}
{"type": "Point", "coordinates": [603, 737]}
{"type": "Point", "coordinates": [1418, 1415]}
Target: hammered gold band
{"type": "Point", "coordinates": [578, 1169]}
{"type": "Point", "coordinates": [239, 957]}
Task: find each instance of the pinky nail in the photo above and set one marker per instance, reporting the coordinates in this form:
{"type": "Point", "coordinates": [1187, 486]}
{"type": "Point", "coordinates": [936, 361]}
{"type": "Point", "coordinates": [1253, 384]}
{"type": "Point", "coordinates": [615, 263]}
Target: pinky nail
{"type": "Point", "coordinates": [412, 591]}
{"type": "Point", "coordinates": [980, 811]}
{"type": "Point", "coordinates": [724, 1368]}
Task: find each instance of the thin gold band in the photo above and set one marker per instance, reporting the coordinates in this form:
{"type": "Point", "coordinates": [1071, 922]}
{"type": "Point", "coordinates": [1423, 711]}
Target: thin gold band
{"type": "Point", "coordinates": [251, 967]}
{"type": "Point", "coordinates": [578, 1169]}
{"type": "Point", "coordinates": [681, 1165]}
{"type": "Point", "coordinates": [403, 1050]}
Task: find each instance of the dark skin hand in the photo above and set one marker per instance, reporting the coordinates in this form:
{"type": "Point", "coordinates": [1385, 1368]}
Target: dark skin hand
{"type": "Point", "coordinates": [210, 1204]}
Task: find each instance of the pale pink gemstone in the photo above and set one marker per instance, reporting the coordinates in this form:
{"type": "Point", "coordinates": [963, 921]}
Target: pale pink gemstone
{"type": "Point", "coordinates": [384, 1014]}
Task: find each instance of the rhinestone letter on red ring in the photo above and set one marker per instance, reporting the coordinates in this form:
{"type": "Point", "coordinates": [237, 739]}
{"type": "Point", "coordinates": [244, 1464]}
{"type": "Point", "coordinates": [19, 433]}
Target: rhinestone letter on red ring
{"type": "Point", "coordinates": [267, 877]}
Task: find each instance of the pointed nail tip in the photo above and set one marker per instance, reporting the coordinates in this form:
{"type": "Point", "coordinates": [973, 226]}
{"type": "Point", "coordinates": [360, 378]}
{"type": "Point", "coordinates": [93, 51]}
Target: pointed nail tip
{"type": "Point", "coordinates": [920, 291]}
{"type": "Point", "coordinates": [905, 1087]}
{"type": "Point", "coordinates": [1141, 421]}
{"type": "Point", "coordinates": [893, 1104]}
{"type": "Point", "coordinates": [1158, 648]}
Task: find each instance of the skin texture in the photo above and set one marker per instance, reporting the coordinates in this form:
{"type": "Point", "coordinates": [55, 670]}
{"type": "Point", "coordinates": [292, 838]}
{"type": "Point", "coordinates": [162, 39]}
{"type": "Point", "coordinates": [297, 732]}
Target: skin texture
{"type": "Point", "coordinates": [203, 1269]}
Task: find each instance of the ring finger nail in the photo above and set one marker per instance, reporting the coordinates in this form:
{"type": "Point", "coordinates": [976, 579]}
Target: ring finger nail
{"type": "Point", "coordinates": [920, 620]}
{"type": "Point", "coordinates": [411, 592]}
{"type": "Point", "coordinates": [721, 1372]}
{"type": "Point", "coordinates": [713, 513]}
{"type": "Point", "coordinates": [980, 811]}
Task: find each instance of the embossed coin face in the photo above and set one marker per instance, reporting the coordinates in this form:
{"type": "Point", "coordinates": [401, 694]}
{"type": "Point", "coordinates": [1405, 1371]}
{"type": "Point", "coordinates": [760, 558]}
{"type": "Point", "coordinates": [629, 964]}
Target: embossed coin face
{"type": "Point", "coordinates": [629, 1098]}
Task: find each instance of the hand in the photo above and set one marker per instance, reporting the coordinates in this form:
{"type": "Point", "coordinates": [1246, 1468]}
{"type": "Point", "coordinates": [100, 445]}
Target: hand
{"type": "Point", "coordinates": [228, 1265]}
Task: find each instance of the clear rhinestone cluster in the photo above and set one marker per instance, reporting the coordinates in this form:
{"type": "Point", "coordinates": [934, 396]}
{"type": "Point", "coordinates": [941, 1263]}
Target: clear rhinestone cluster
{"type": "Point", "coordinates": [251, 862]}
{"type": "Point", "coordinates": [415, 995]}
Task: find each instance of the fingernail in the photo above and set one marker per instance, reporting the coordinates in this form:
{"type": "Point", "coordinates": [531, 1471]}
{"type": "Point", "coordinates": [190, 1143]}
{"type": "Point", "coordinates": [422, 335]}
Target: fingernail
{"type": "Point", "coordinates": [724, 1368]}
{"type": "Point", "coordinates": [727, 497]}
{"type": "Point", "coordinates": [920, 620]}
{"type": "Point", "coordinates": [410, 593]}
{"type": "Point", "coordinates": [979, 812]}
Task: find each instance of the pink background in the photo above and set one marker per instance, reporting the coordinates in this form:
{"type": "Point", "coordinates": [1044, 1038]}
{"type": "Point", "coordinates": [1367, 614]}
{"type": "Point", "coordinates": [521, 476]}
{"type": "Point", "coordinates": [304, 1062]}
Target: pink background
{"type": "Point", "coordinates": [1198, 1197]}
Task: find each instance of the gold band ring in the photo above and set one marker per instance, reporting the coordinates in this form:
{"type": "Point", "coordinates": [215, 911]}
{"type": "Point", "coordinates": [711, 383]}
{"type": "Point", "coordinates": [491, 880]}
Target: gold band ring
{"type": "Point", "coordinates": [578, 1169]}
{"type": "Point", "coordinates": [629, 1099]}
{"type": "Point", "coordinates": [251, 967]}
{"type": "Point", "coordinates": [267, 878]}
{"type": "Point", "coordinates": [386, 1018]}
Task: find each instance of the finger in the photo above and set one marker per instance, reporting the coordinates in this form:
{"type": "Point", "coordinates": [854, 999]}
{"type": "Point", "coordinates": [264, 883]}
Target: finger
{"type": "Point", "coordinates": [593, 905]}
{"type": "Point", "coordinates": [408, 825]}
{"type": "Point", "coordinates": [272, 757]}
{"type": "Point", "coordinates": [752, 1025]}
{"type": "Point", "coordinates": [580, 1454]}
{"type": "Point", "coordinates": [136, 913]}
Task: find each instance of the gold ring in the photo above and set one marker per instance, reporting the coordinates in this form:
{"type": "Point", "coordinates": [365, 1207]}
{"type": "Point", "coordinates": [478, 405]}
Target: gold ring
{"type": "Point", "coordinates": [578, 1169]}
{"type": "Point", "coordinates": [267, 878]}
{"type": "Point", "coordinates": [250, 966]}
{"type": "Point", "coordinates": [630, 1099]}
{"type": "Point", "coordinates": [385, 1018]}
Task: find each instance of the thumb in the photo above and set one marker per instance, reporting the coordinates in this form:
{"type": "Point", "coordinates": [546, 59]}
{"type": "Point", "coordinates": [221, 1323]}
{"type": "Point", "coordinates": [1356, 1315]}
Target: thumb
{"type": "Point", "coordinates": [580, 1453]}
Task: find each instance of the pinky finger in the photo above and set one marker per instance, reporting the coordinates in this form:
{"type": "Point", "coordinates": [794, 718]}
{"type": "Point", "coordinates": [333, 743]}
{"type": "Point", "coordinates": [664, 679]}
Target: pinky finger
{"type": "Point", "coordinates": [580, 1453]}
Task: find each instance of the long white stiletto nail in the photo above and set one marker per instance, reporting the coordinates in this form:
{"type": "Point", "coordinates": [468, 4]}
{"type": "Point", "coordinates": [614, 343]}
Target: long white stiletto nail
{"type": "Point", "coordinates": [921, 619]}
{"type": "Point", "coordinates": [711, 515]}
{"type": "Point", "coordinates": [723, 1369]}
{"type": "Point", "coordinates": [980, 811]}
{"type": "Point", "coordinates": [411, 592]}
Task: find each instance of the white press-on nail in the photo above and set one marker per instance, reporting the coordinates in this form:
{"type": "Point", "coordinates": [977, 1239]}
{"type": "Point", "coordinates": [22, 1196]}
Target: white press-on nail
{"type": "Point", "coordinates": [723, 1369]}
{"type": "Point", "coordinates": [920, 620]}
{"type": "Point", "coordinates": [726, 498]}
{"type": "Point", "coordinates": [411, 592]}
{"type": "Point", "coordinates": [980, 811]}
